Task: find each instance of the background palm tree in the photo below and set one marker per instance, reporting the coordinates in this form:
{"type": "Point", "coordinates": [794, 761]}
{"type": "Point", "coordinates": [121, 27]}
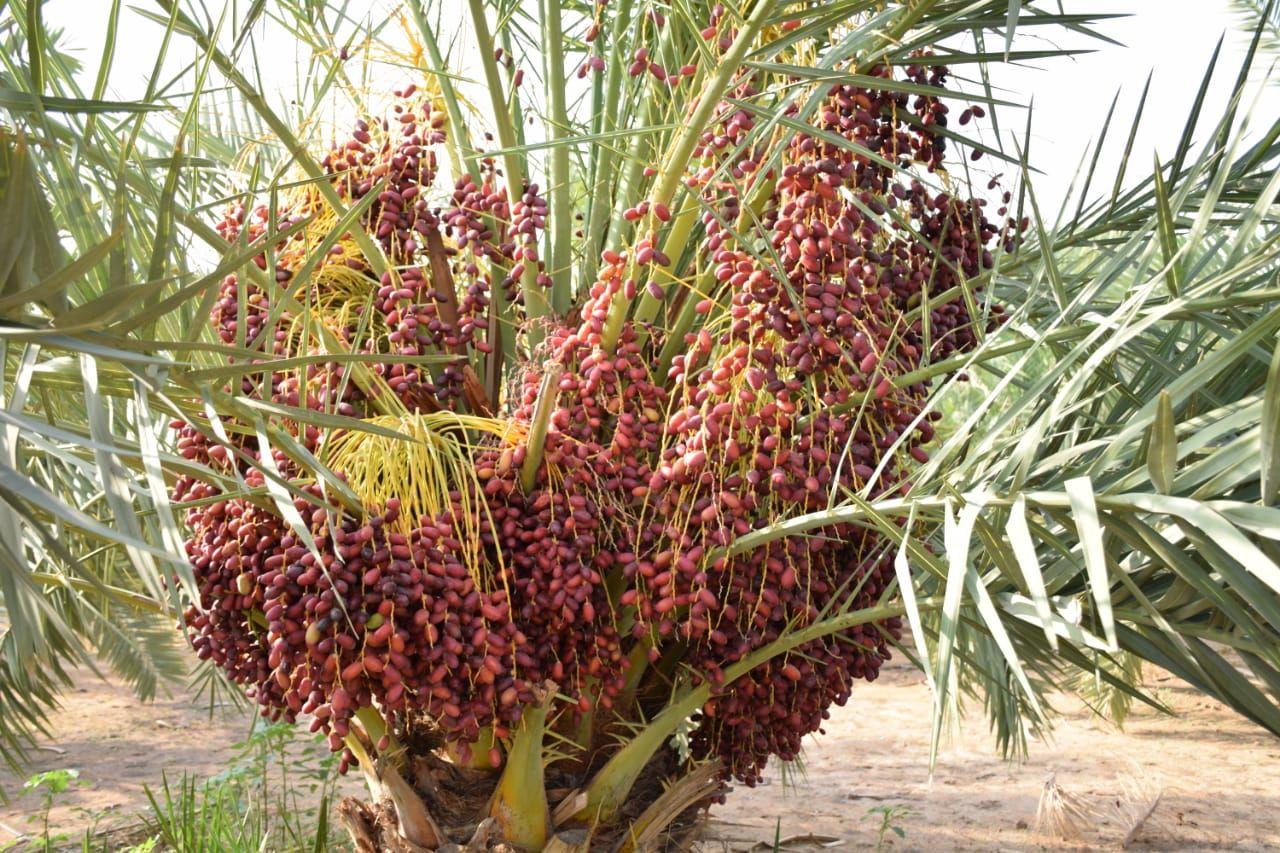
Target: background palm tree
{"type": "Point", "coordinates": [1105, 492]}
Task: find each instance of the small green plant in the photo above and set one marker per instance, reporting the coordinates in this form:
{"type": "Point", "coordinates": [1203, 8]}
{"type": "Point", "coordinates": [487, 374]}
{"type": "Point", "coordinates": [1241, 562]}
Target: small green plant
{"type": "Point", "coordinates": [890, 817]}
{"type": "Point", "coordinates": [49, 784]}
{"type": "Point", "coordinates": [258, 803]}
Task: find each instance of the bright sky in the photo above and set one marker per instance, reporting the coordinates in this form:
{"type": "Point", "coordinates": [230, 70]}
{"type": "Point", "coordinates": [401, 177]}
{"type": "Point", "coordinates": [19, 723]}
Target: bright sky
{"type": "Point", "coordinates": [1171, 38]}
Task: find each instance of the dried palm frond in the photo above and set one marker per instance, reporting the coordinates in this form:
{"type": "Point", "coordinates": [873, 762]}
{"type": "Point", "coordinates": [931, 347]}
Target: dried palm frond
{"type": "Point", "coordinates": [1137, 802]}
{"type": "Point", "coordinates": [1067, 815]}
{"type": "Point", "coordinates": [1061, 813]}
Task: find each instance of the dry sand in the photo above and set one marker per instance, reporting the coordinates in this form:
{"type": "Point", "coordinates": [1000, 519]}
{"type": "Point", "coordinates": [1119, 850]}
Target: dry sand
{"type": "Point", "coordinates": [1219, 774]}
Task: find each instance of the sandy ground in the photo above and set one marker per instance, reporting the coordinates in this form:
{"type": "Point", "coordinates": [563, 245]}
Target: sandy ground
{"type": "Point", "coordinates": [1218, 775]}
{"type": "Point", "coordinates": [120, 745]}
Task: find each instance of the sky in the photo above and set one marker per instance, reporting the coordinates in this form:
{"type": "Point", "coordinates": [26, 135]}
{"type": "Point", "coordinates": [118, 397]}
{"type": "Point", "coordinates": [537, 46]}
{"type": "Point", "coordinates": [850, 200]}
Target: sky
{"type": "Point", "coordinates": [1170, 39]}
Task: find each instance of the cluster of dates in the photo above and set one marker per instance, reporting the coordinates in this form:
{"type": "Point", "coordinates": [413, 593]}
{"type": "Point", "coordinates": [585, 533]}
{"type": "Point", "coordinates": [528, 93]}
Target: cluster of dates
{"type": "Point", "coordinates": [612, 571]}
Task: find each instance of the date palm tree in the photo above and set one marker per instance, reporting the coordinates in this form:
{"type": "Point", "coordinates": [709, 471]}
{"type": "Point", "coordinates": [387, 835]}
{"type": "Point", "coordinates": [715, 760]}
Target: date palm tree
{"type": "Point", "coordinates": [1100, 489]}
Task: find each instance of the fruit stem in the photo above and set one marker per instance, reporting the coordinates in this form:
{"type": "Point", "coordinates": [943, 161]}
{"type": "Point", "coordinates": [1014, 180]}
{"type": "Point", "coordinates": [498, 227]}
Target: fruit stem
{"type": "Point", "coordinates": [672, 171]}
{"type": "Point", "coordinates": [560, 187]}
{"type": "Point", "coordinates": [536, 305]}
{"type": "Point", "coordinates": [681, 226]}
{"type": "Point", "coordinates": [384, 780]}
{"type": "Point", "coordinates": [582, 733]}
{"type": "Point", "coordinates": [462, 154]}
{"type": "Point", "coordinates": [639, 658]}
{"type": "Point", "coordinates": [548, 392]}
{"type": "Point", "coordinates": [479, 751]}
{"type": "Point", "coordinates": [609, 789]}
{"type": "Point", "coordinates": [601, 196]}
{"type": "Point", "coordinates": [367, 768]}
{"type": "Point", "coordinates": [376, 727]}
{"type": "Point", "coordinates": [519, 803]}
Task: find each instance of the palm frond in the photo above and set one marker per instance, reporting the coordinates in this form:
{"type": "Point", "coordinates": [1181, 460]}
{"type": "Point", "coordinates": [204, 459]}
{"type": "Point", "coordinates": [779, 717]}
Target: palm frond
{"type": "Point", "coordinates": [1111, 463]}
{"type": "Point", "coordinates": [1105, 491]}
{"type": "Point", "coordinates": [1263, 18]}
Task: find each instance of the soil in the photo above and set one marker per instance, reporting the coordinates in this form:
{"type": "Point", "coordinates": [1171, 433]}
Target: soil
{"type": "Point", "coordinates": [1216, 774]}
{"type": "Point", "coordinates": [121, 745]}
